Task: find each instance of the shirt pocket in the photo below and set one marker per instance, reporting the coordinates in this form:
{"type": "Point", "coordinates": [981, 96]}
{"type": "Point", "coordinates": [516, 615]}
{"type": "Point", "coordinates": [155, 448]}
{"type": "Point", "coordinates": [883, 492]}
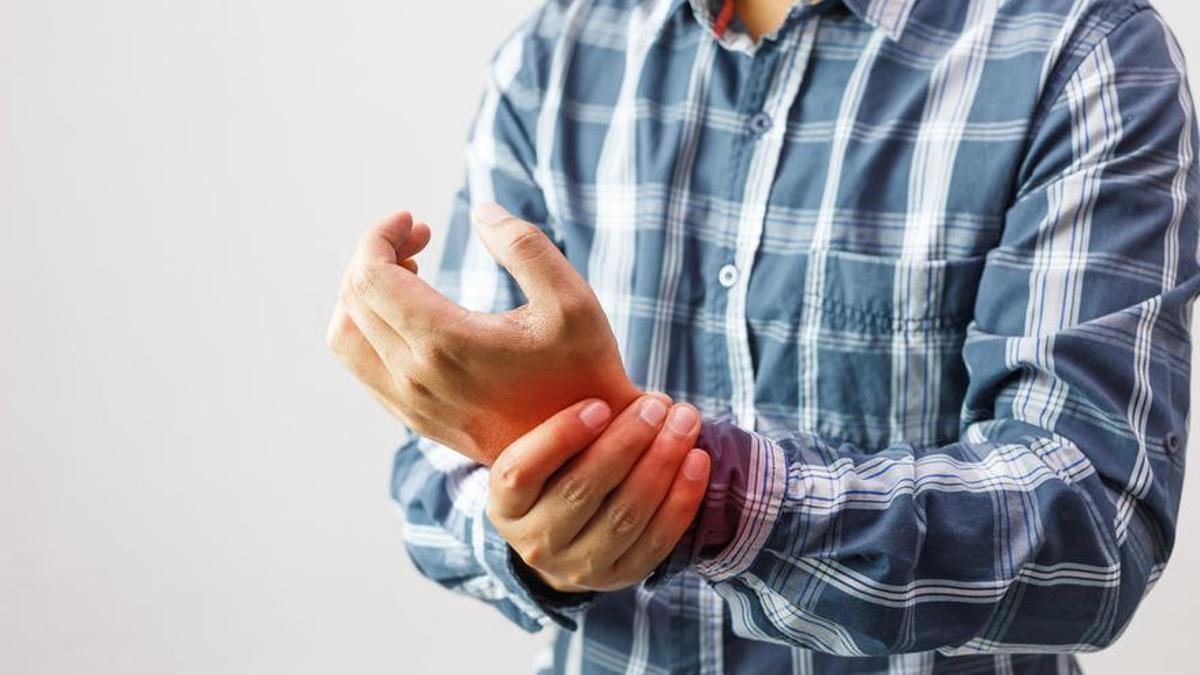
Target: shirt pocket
{"type": "Point", "coordinates": [880, 347]}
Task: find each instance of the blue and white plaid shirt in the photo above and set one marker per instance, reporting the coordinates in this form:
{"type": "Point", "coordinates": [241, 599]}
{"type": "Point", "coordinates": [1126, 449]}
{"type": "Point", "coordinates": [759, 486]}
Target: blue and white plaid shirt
{"type": "Point", "coordinates": [926, 267]}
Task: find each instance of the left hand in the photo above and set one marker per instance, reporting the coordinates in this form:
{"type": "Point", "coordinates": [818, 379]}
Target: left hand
{"type": "Point", "coordinates": [475, 381]}
{"type": "Point", "coordinates": [591, 505]}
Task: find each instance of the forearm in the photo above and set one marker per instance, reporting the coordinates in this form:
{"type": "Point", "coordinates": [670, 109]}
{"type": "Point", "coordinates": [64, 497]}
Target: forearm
{"type": "Point", "coordinates": [447, 534]}
{"type": "Point", "coordinates": [1043, 525]}
{"type": "Point", "coordinates": [1009, 540]}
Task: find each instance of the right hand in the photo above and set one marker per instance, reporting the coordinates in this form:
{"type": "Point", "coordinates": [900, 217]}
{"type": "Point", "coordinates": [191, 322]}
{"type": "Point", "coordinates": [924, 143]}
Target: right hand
{"type": "Point", "coordinates": [596, 506]}
{"type": "Point", "coordinates": [475, 381]}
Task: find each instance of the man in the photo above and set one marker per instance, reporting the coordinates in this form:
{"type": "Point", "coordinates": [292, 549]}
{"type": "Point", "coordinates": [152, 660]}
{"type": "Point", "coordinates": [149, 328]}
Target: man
{"type": "Point", "coordinates": [919, 275]}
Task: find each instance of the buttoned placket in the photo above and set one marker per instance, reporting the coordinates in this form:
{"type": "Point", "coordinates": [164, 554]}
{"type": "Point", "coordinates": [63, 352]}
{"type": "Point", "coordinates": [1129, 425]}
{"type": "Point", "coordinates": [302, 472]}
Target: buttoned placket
{"type": "Point", "coordinates": [773, 82]}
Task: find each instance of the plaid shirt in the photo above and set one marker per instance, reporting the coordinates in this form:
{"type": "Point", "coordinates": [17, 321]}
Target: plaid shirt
{"type": "Point", "coordinates": [925, 267]}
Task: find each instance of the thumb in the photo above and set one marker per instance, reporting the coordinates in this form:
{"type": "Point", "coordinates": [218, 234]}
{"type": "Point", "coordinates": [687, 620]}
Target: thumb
{"type": "Point", "coordinates": [540, 269]}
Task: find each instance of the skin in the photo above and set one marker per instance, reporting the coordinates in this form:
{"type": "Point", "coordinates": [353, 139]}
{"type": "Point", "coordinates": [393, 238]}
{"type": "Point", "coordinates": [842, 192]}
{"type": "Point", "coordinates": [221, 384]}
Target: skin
{"type": "Point", "coordinates": [762, 17]}
{"type": "Point", "coordinates": [475, 381]}
{"type": "Point", "coordinates": [586, 513]}
{"type": "Point", "coordinates": [589, 502]}
{"type": "Point", "coordinates": [603, 509]}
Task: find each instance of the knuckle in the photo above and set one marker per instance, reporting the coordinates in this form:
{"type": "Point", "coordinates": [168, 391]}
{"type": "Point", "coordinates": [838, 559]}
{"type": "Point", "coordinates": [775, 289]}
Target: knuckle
{"type": "Point", "coordinates": [364, 280]}
{"type": "Point", "coordinates": [590, 573]}
{"type": "Point", "coordinates": [578, 579]}
{"type": "Point", "coordinates": [527, 244]}
{"type": "Point", "coordinates": [623, 520]}
{"type": "Point", "coordinates": [336, 337]}
{"type": "Point", "coordinates": [658, 545]}
{"type": "Point", "coordinates": [439, 356]}
{"type": "Point", "coordinates": [534, 555]}
{"type": "Point", "coordinates": [413, 387]}
{"type": "Point", "coordinates": [574, 489]}
{"type": "Point", "coordinates": [508, 474]}
{"type": "Point", "coordinates": [574, 306]}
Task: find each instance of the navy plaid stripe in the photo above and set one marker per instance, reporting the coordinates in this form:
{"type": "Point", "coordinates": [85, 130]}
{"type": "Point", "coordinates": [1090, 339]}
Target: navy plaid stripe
{"type": "Point", "coordinates": [926, 268]}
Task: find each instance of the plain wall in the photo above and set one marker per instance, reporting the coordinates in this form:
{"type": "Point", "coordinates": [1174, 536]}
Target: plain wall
{"type": "Point", "coordinates": [188, 482]}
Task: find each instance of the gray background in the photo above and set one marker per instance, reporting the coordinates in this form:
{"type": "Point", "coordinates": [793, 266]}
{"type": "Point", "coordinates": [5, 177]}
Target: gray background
{"type": "Point", "coordinates": [188, 481]}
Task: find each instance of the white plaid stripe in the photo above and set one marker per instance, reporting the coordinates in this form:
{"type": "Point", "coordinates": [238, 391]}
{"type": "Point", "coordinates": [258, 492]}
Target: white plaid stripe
{"type": "Point", "coordinates": [1039, 436]}
{"type": "Point", "coordinates": [639, 652]}
{"type": "Point", "coordinates": [712, 629]}
{"type": "Point", "coordinates": [547, 122]}
{"type": "Point", "coordinates": [952, 88]}
{"type": "Point", "coordinates": [891, 15]}
{"type": "Point", "coordinates": [675, 222]}
{"type": "Point", "coordinates": [611, 262]}
{"type": "Point", "coordinates": [768, 469]}
{"type": "Point", "coordinates": [759, 180]}
{"type": "Point", "coordinates": [480, 275]}
{"type": "Point", "coordinates": [810, 323]}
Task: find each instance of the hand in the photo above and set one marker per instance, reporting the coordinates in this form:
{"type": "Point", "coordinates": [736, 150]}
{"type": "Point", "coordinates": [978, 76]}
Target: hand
{"type": "Point", "coordinates": [596, 508]}
{"type": "Point", "coordinates": [471, 380]}
{"type": "Point", "coordinates": [347, 341]}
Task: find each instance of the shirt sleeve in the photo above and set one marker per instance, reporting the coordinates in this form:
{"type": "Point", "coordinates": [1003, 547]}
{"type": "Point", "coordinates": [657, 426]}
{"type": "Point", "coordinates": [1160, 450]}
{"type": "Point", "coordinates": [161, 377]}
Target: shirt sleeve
{"type": "Point", "coordinates": [1043, 526]}
{"type": "Point", "coordinates": [440, 494]}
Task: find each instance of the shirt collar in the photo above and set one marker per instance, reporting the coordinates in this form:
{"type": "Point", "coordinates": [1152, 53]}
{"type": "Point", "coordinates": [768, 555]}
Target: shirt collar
{"type": "Point", "coordinates": [889, 16]}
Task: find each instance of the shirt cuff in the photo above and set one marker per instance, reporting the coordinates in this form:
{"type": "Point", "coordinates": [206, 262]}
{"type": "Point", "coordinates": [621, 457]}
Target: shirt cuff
{"type": "Point", "coordinates": [523, 582]}
{"type": "Point", "coordinates": [745, 489]}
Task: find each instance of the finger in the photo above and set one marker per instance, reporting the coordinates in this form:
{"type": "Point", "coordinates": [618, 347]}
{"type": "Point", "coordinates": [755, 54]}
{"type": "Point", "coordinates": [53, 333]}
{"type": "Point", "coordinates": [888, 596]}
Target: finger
{"type": "Point", "coordinates": [540, 269]}
{"type": "Point", "coordinates": [356, 354]}
{"type": "Point", "coordinates": [389, 345]}
{"type": "Point", "coordinates": [418, 239]}
{"type": "Point", "coordinates": [672, 520]}
{"type": "Point", "coordinates": [629, 508]}
{"type": "Point", "coordinates": [405, 301]}
{"type": "Point", "coordinates": [520, 472]}
{"type": "Point", "coordinates": [576, 492]}
{"type": "Point", "coordinates": [383, 243]}
{"type": "Point", "coordinates": [346, 341]}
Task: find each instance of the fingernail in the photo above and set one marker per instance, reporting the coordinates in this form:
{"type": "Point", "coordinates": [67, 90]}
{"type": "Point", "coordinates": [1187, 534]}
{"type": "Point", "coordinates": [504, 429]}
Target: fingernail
{"type": "Point", "coordinates": [489, 213]}
{"type": "Point", "coordinates": [695, 465]}
{"type": "Point", "coordinates": [683, 420]}
{"type": "Point", "coordinates": [652, 411]}
{"type": "Point", "coordinates": [594, 415]}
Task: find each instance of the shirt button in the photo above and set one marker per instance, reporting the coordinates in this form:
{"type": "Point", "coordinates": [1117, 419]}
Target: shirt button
{"type": "Point", "coordinates": [728, 276]}
{"type": "Point", "coordinates": [1172, 441]}
{"type": "Point", "coordinates": [760, 123]}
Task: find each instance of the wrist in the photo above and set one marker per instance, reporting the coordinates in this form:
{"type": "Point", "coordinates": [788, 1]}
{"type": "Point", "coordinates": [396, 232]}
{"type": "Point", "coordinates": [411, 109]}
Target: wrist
{"type": "Point", "coordinates": [749, 477]}
{"type": "Point", "coordinates": [556, 584]}
{"type": "Point", "coordinates": [544, 587]}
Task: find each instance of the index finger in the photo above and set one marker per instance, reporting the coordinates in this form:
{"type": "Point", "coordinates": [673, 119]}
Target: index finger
{"type": "Point", "coordinates": [405, 301]}
{"type": "Point", "coordinates": [521, 470]}
{"type": "Point", "coordinates": [395, 239]}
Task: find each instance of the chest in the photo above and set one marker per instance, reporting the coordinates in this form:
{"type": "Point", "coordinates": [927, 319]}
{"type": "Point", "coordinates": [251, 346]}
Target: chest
{"type": "Point", "coordinates": [797, 235]}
